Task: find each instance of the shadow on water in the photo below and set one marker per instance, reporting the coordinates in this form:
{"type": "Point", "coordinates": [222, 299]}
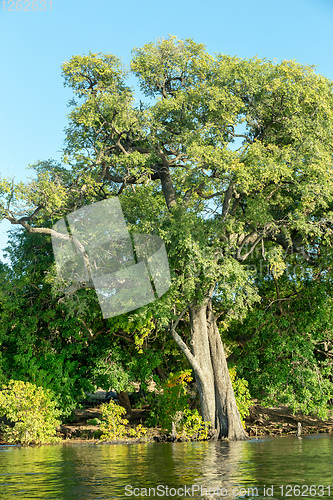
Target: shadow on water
{"type": "Point", "coordinates": [254, 469]}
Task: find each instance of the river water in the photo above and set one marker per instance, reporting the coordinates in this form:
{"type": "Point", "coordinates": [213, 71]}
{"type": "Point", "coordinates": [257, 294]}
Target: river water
{"type": "Point", "coordinates": [258, 469]}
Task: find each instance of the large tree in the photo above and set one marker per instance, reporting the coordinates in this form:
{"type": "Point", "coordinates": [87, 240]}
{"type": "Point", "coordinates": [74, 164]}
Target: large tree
{"type": "Point", "coordinates": [222, 157]}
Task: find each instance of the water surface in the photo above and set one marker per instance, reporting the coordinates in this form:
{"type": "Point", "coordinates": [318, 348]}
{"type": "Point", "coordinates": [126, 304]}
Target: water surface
{"type": "Point", "coordinates": [254, 469]}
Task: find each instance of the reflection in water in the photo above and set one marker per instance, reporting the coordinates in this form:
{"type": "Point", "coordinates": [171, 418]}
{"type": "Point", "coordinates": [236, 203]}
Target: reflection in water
{"type": "Point", "coordinates": [173, 470]}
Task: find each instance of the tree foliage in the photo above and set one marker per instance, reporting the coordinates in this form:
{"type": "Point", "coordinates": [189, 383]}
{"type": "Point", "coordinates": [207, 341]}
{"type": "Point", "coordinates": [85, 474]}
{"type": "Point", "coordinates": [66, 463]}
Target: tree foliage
{"type": "Point", "coordinates": [62, 343]}
{"type": "Point", "coordinates": [285, 347]}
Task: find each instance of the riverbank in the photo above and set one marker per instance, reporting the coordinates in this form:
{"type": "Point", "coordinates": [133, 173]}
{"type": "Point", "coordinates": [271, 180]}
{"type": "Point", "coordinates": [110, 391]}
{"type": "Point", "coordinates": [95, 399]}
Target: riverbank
{"type": "Point", "coordinates": [262, 421]}
{"type": "Point", "coordinates": [280, 420]}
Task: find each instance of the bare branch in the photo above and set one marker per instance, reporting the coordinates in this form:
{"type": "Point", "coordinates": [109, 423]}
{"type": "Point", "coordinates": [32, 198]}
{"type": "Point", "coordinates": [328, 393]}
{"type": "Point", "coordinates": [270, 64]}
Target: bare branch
{"type": "Point", "coordinates": [233, 134]}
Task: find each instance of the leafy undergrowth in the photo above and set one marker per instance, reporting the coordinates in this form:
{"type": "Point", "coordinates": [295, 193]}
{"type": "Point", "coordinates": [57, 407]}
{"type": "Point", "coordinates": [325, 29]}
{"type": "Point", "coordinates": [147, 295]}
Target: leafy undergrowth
{"type": "Point", "coordinates": [114, 426]}
{"type": "Point", "coordinates": [30, 414]}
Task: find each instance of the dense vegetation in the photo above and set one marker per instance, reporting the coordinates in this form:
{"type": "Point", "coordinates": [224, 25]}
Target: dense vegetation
{"type": "Point", "coordinates": [230, 162]}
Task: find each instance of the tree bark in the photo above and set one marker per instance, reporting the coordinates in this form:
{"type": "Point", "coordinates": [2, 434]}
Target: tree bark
{"type": "Point", "coordinates": [218, 403]}
{"type": "Point", "coordinates": [227, 418]}
{"type": "Point", "coordinates": [125, 402]}
{"type": "Point", "coordinates": [201, 351]}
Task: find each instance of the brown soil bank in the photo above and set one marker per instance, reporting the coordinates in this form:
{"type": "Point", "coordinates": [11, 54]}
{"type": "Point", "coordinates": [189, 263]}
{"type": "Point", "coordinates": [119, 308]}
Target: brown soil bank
{"type": "Point", "coordinates": [79, 429]}
{"type": "Point", "coordinates": [262, 421]}
{"type": "Point", "coordinates": [280, 420]}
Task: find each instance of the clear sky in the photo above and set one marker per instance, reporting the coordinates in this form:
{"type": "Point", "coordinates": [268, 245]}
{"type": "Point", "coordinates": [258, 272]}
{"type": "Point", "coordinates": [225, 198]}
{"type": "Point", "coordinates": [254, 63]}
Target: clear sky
{"type": "Point", "coordinates": [34, 44]}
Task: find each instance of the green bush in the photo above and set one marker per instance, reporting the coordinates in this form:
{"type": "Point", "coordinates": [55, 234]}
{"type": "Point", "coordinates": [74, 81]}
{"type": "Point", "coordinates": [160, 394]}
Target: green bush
{"type": "Point", "coordinates": [113, 425]}
{"type": "Point", "coordinates": [94, 421]}
{"type": "Point", "coordinates": [193, 427]}
{"type": "Point", "coordinates": [171, 400]}
{"type": "Point", "coordinates": [32, 412]}
{"type": "Point", "coordinates": [242, 394]}
{"type": "Point", "coordinates": [137, 432]}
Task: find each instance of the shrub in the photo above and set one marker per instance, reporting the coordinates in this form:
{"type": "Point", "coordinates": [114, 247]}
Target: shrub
{"type": "Point", "coordinates": [242, 394]}
{"type": "Point", "coordinates": [113, 425]}
{"type": "Point", "coordinates": [172, 399]}
{"type": "Point", "coordinates": [137, 432]}
{"type": "Point", "coordinates": [32, 412]}
{"type": "Point", "coordinates": [94, 421]}
{"type": "Point", "coordinates": [192, 425]}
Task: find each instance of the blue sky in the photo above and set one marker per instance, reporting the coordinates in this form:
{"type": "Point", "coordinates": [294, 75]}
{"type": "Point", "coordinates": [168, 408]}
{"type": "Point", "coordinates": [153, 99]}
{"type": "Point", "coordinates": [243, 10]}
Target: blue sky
{"type": "Point", "coordinates": [34, 44]}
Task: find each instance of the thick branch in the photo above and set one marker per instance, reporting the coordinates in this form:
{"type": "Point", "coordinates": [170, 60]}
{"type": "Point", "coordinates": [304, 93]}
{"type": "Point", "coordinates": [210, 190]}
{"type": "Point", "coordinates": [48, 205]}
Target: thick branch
{"type": "Point", "coordinates": [209, 196]}
{"type": "Point", "coordinates": [226, 201]}
{"type": "Point", "coordinates": [166, 181]}
{"type": "Point", "coordinates": [181, 344]}
{"type": "Point", "coordinates": [252, 238]}
{"type": "Point", "coordinates": [60, 236]}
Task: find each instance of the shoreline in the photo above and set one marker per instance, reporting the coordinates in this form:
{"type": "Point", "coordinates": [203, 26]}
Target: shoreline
{"type": "Point", "coordinates": [262, 421]}
{"type": "Point", "coordinates": [280, 420]}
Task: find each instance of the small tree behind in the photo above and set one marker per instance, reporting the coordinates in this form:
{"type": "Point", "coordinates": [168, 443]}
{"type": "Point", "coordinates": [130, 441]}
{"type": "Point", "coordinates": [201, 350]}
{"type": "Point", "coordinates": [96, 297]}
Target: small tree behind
{"type": "Point", "coordinates": [31, 413]}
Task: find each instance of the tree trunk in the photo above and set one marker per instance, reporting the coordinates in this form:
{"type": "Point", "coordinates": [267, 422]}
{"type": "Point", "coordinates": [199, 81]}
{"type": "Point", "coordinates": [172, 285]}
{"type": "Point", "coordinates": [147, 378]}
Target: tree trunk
{"type": "Point", "coordinates": [201, 351]}
{"type": "Point", "coordinates": [228, 422]}
{"type": "Point", "coordinates": [125, 402]}
{"type": "Point", "coordinates": [207, 358]}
